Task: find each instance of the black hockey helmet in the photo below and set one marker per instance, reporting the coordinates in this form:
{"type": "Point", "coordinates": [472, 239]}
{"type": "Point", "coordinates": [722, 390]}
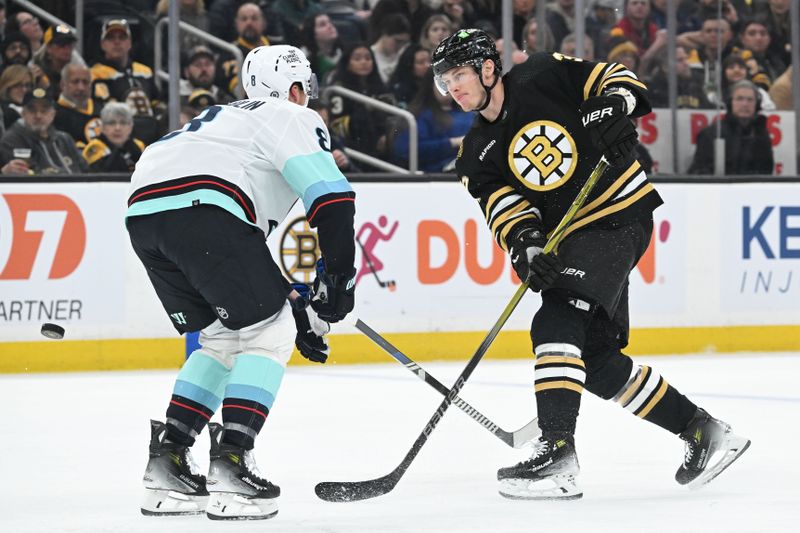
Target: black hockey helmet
{"type": "Point", "coordinates": [466, 47]}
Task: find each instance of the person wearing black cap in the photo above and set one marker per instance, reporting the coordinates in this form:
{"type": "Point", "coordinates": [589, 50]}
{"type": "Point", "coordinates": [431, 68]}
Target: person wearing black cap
{"type": "Point", "coordinates": [57, 52]}
{"type": "Point", "coordinates": [199, 72]}
{"type": "Point", "coordinates": [117, 77]}
{"type": "Point", "coordinates": [34, 146]}
{"type": "Point", "coordinates": [15, 49]}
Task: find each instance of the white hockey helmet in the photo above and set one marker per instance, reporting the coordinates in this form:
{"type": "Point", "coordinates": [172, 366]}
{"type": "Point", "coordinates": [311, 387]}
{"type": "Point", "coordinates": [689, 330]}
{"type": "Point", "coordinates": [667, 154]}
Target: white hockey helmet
{"type": "Point", "coordinates": [270, 71]}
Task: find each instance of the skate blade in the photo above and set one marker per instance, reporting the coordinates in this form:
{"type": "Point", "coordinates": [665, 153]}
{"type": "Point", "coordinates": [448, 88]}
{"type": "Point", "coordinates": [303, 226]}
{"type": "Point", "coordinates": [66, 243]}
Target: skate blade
{"type": "Point", "coordinates": [731, 449]}
{"type": "Point", "coordinates": [232, 506]}
{"type": "Point", "coordinates": [159, 502]}
{"type": "Point", "coordinates": [563, 487]}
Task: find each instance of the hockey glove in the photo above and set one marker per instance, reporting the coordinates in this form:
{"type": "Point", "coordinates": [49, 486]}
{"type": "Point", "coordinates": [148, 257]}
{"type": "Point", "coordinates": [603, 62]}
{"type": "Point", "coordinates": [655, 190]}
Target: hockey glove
{"type": "Point", "coordinates": [311, 329]}
{"type": "Point", "coordinates": [540, 269]}
{"type": "Point", "coordinates": [609, 128]}
{"type": "Point", "coordinates": [334, 294]}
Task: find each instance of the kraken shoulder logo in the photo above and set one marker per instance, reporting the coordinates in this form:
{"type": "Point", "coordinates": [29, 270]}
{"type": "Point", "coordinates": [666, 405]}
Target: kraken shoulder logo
{"type": "Point", "coordinates": [542, 155]}
{"type": "Point", "coordinates": [299, 251]}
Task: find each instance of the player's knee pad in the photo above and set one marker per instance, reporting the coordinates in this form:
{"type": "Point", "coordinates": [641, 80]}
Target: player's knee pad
{"type": "Point", "coordinates": [272, 338]}
{"type": "Point", "coordinates": [606, 371]}
{"type": "Point", "coordinates": [562, 318]}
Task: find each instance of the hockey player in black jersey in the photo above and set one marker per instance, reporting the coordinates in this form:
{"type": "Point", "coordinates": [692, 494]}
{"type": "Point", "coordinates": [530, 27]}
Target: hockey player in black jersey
{"type": "Point", "coordinates": [539, 132]}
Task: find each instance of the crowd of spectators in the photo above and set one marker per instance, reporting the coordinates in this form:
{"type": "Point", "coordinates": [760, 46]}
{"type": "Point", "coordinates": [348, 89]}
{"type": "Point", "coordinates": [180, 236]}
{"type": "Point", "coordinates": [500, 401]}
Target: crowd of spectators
{"type": "Point", "coordinates": [110, 103]}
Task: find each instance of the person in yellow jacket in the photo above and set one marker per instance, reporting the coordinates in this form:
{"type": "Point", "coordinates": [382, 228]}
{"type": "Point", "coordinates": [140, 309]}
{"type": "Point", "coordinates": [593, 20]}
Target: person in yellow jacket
{"type": "Point", "coordinates": [114, 150]}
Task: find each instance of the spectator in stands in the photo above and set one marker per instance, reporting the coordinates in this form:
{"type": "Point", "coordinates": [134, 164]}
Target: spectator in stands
{"type": "Point", "coordinates": [220, 15]}
{"type": "Point", "coordinates": [29, 26]}
{"type": "Point", "coordinates": [529, 37]}
{"type": "Point", "coordinates": [192, 12]}
{"type": "Point", "coordinates": [436, 28]}
{"type": "Point", "coordinates": [76, 112]}
{"type": "Point", "coordinates": [781, 91]}
{"type": "Point", "coordinates": [517, 55]}
{"type": "Point", "coordinates": [636, 25]}
{"type": "Point", "coordinates": [460, 12]}
{"type": "Point", "coordinates": [415, 11]}
{"type": "Point", "coordinates": [569, 44]}
{"type": "Point", "coordinates": [735, 69]}
{"type": "Point", "coordinates": [658, 13]}
{"type": "Point", "coordinates": [293, 13]}
{"type": "Point", "coordinates": [441, 127]}
{"type": "Point", "coordinates": [522, 12]}
{"type": "Point", "coordinates": [754, 38]}
{"type": "Point", "coordinates": [414, 63]}
{"type": "Point", "coordinates": [599, 22]}
{"type": "Point", "coordinates": [343, 162]}
{"type": "Point", "coordinates": [2, 18]}
{"type": "Point", "coordinates": [395, 35]}
{"type": "Point", "coordinates": [361, 128]}
{"type": "Point", "coordinates": [199, 73]}
{"type": "Point", "coordinates": [560, 18]}
{"type": "Point", "coordinates": [777, 15]}
{"type": "Point", "coordinates": [321, 45]}
{"type": "Point", "coordinates": [58, 50]}
{"type": "Point", "coordinates": [15, 50]}
{"type": "Point", "coordinates": [33, 145]}
{"type": "Point", "coordinates": [690, 87]}
{"type": "Point", "coordinates": [117, 78]}
{"type": "Point", "coordinates": [250, 27]}
{"type": "Point", "coordinates": [716, 38]}
{"type": "Point", "coordinates": [15, 82]}
{"type": "Point", "coordinates": [692, 13]}
{"type": "Point", "coordinates": [621, 50]}
{"type": "Point", "coordinates": [200, 99]}
{"type": "Point", "coordinates": [114, 150]}
{"type": "Point", "coordinates": [748, 147]}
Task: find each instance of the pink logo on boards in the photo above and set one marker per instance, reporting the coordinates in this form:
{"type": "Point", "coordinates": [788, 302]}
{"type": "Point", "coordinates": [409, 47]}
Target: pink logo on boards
{"type": "Point", "coordinates": [367, 238]}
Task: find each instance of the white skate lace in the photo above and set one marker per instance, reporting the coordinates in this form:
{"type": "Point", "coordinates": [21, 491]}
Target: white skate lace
{"type": "Point", "coordinates": [193, 467]}
{"type": "Point", "coordinates": [540, 447]}
{"type": "Point", "coordinates": [250, 464]}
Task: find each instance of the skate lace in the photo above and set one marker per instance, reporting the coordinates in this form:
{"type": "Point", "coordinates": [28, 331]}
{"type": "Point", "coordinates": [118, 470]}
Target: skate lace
{"type": "Point", "coordinates": [540, 448]}
{"type": "Point", "coordinates": [252, 467]}
{"type": "Point", "coordinates": [194, 468]}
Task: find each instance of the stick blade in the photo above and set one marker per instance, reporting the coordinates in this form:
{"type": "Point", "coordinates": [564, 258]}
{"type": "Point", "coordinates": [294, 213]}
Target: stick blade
{"type": "Point", "coordinates": [353, 491]}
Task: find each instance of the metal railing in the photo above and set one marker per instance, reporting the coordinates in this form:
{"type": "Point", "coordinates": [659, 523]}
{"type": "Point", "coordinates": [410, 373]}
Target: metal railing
{"type": "Point", "coordinates": [193, 30]}
{"type": "Point", "coordinates": [413, 147]}
{"type": "Point", "coordinates": [41, 13]}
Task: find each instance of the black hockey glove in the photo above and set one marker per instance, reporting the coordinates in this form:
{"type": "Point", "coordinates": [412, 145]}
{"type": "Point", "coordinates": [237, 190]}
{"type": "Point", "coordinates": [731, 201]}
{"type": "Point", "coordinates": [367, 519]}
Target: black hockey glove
{"type": "Point", "coordinates": [610, 128]}
{"type": "Point", "coordinates": [334, 294]}
{"type": "Point", "coordinates": [311, 329]}
{"type": "Point", "coordinates": [540, 269]}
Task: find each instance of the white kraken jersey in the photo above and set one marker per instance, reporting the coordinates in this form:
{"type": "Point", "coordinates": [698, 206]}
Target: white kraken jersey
{"type": "Point", "coordinates": [253, 158]}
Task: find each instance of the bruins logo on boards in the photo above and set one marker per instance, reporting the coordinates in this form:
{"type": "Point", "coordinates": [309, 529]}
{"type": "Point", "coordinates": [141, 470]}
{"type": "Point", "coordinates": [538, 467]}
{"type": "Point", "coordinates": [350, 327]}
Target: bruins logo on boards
{"type": "Point", "coordinates": [542, 155]}
{"type": "Point", "coordinates": [299, 251]}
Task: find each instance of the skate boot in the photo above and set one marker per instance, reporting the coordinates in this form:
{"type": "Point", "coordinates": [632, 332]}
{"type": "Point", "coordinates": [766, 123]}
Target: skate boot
{"type": "Point", "coordinates": [711, 447]}
{"type": "Point", "coordinates": [237, 489]}
{"type": "Point", "coordinates": [548, 475]}
{"type": "Point", "coordinates": [173, 485]}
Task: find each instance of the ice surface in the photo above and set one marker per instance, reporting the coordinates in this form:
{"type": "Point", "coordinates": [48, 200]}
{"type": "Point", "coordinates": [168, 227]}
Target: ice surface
{"type": "Point", "coordinates": [74, 448]}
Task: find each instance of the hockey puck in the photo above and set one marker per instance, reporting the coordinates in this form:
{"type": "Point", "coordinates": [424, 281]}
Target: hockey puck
{"type": "Point", "coordinates": [52, 331]}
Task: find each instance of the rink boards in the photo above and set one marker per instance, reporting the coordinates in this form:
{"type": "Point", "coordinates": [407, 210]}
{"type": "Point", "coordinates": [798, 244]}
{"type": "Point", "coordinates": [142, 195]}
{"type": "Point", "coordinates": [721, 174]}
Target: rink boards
{"type": "Point", "coordinates": [722, 274]}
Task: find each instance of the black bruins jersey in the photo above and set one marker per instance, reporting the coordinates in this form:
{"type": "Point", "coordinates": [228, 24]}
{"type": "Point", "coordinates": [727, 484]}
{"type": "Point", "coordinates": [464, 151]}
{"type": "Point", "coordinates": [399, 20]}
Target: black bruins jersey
{"type": "Point", "coordinates": [82, 123]}
{"type": "Point", "coordinates": [527, 166]}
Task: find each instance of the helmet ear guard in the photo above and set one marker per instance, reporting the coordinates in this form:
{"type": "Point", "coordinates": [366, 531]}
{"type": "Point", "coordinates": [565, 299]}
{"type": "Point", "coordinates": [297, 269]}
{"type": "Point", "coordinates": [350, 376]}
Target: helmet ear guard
{"type": "Point", "coordinates": [270, 72]}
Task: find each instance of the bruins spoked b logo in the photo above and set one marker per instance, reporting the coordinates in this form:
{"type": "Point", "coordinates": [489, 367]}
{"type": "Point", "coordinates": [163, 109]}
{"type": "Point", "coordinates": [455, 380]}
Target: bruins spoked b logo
{"type": "Point", "coordinates": [299, 251]}
{"type": "Point", "coordinates": [542, 155]}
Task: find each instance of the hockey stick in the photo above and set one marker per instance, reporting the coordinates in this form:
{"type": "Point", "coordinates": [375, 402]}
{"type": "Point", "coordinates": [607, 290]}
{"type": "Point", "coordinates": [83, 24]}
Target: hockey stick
{"type": "Point", "coordinates": [383, 284]}
{"type": "Point", "coordinates": [515, 439]}
{"type": "Point", "coordinates": [348, 491]}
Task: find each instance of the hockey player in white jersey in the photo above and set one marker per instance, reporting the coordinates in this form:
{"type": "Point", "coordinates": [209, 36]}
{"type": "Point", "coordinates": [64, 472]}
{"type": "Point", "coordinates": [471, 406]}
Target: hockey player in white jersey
{"type": "Point", "coordinates": [202, 202]}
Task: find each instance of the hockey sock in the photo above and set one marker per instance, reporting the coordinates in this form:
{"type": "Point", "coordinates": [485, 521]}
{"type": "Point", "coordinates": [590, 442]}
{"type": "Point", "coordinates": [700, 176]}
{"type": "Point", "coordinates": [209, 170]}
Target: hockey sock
{"type": "Point", "coordinates": [649, 396]}
{"type": "Point", "coordinates": [197, 394]}
{"type": "Point", "coordinates": [560, 374]}
{"type": "Point", "coordinates": [249, 395]}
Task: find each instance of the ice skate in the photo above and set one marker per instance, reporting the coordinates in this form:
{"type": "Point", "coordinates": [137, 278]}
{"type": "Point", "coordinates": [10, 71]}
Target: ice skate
{"type": "Point", "coordinates": [550, 473]}
{"type": "Point", "coordinates": [237, 489]}
{"type": "Point", "coordinates": [173, 485]}
{"type": "Point", "coordinates": [711, 447]}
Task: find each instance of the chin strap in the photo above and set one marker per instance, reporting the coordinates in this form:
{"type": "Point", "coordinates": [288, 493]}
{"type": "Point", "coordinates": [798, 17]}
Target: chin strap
{"type": "Point", "coordinates": [488, 90]}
